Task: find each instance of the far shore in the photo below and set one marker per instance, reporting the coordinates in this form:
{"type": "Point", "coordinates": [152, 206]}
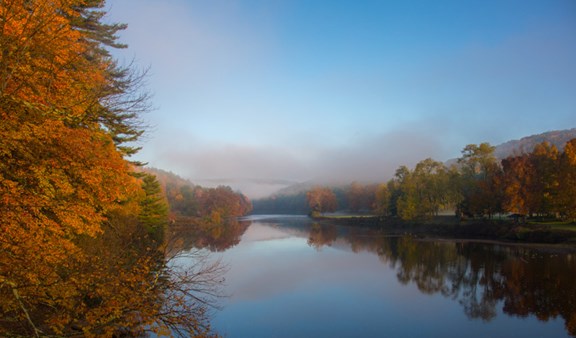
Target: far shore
{"type": "Point", "coordinates": [498, 230]}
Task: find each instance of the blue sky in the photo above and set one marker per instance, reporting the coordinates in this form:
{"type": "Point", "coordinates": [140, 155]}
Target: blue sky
{"type": "Point", "coordinates": [348, 90]}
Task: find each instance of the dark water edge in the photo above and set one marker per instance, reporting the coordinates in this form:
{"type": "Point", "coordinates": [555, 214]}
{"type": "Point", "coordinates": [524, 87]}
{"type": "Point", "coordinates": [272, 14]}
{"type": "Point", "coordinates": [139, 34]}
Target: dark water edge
{"type": "Point", "coordinates": [451, 227]}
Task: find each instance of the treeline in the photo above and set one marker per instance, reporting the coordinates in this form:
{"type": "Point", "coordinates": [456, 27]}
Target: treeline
{"type": "Point", "coordinates": [296, 203]}
{"type": "Point", "coordinates": [186, 199]}
{"type": "Point", "coordinates": [200, 217]}
{"type": "Point", "coordinates": [539, 183]}
{"type": "Point", "coordinates": [82, 233]}
{"type": "Point", "coordinates": [355, 198]}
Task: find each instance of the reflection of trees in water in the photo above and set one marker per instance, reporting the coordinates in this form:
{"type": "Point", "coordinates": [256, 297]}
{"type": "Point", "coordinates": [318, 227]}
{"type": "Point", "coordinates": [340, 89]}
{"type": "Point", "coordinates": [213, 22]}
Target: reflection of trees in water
{"type": "Point", "coordinates": [322, 234]}
{"type": "Point", "coordinates": [479, 276]}
{"type": "Point", "coordinates": [192, 286]}
{"type": "Point", "coordinates": [122, 284]}
{"type": "Point", "coordinates": [200, 234]}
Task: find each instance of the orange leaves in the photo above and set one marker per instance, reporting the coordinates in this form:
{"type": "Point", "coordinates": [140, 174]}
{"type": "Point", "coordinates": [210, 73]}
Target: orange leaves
{"type": "Point", "coordinates": [75, 259]}
{"type": "Point", "coordinates": [570, 153]}
{"type": "Point", "coordinates": [75, 172]}
{"type": "Point", "coordinates": [61, 174]}
{"type": "Point", "coordinates": [517, 178]}
{"type": "Point", "coordinates": [321, 200]}
{"type": "Point", "coordinates": [43, 57]}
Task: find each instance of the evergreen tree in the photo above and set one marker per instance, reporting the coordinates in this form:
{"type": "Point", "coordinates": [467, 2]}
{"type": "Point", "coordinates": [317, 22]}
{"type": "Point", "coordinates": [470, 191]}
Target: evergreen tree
{"type": "Point", "coordinates": [154, 209]}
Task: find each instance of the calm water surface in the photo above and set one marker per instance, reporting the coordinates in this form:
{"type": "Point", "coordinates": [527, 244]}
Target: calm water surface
{"type": "Point", "coordinates": [289, 277]}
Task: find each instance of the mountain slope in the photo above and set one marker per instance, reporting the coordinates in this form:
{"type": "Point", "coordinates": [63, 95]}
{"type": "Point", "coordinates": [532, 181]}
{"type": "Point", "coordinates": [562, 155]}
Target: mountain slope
{"type": "Point", "coordinates": [527, 144]}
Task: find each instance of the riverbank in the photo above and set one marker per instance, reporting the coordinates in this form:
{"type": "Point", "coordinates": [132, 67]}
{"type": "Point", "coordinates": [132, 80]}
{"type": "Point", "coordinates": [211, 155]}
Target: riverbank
{"type": "Point", "coordinates": [451, 227]}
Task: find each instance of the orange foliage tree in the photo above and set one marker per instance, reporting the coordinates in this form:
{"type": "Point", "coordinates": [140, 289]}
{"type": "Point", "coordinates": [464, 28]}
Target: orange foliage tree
{"type": "Point", "coordinates": [517, 178]}
{"type": "Point", "coordinates": [75, 258]}
{"type": "Point", "coordinates": [544, 184]}
{"type": "Point", "coordinates": [321, 200]}
{"type": "Point", "coordinates": [567, 190]}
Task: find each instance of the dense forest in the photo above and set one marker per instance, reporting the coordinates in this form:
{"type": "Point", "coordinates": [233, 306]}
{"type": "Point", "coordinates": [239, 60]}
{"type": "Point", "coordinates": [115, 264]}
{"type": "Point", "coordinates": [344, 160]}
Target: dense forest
{"type": "Point", "coordinates": [83, 230]}
{"type": "Point", "coordinates": [539, 183]}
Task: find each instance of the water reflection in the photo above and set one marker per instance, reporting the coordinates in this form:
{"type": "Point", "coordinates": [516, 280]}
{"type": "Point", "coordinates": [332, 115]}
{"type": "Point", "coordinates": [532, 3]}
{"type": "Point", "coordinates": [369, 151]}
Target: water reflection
{"type": "Point", "coordinates": [484, 280]}
{"type": "Point", "coordinates": [187, 235]}
{"type": "Point", "coordinates": [528, 281]}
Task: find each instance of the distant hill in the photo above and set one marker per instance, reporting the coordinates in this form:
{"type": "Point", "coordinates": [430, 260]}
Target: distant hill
{"type": "Point", "coordinates": [527, 144]}
{"type": "Point", "coordinates": [523, 145]}
{"type": "Point", "coordinates": [254, 188]}
{"type": "Point", "coordinates": [296, 188]}
{"type": "Point", "coordinates": [168, 177]}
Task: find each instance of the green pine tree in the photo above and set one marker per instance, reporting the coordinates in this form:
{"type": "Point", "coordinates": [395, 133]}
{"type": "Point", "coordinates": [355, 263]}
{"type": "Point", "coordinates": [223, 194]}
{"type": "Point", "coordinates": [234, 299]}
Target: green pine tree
{"type": "Point", "coordinates": [154, 209]}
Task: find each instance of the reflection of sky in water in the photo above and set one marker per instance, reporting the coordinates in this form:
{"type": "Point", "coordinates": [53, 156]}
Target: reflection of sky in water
{"type": "Point", "coordinates": [282, 287]}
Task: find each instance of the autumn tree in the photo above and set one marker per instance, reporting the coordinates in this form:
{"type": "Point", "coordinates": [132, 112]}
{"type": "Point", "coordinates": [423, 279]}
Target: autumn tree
{"type": "Point", "coordinates": [56, 185]}
{"type": "Point", "coordinates": [62, 170]}
{"type": "Point", "coordinates": [424, 191]}
{"type": "Point", "coordinates": [543, 186]}
{"type": "Point", "coordinates": [76, 257]}
{"type": "Point", "coordinates": [567, 190]}
{"type": "Point", "coordinates": [432, 177]}
{"type": "Point", "coordinates": [517, 180]}
{"type": "Point", "coordinates": [481, 175]}
{"type": "Point", "coordinates": [183, 200]}
{"type": "Point", "coordinates": [321, 200]}
{"type": "Point", "coordinates": [531, 181]}
{"type": "Point", "coordinates": [407, 199]}
{"type": "Point", "coordinates": [382, 198]}
{"type": "Point", "coordinates": [223, 201]}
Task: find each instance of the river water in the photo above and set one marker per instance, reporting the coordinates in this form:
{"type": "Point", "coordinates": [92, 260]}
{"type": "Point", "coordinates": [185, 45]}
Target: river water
{"type": "Point", "coordinates": [290, 277]}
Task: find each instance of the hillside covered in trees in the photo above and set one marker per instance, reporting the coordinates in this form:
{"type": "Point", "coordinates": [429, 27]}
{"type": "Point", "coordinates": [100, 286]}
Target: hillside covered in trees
{"type": "Point", "coordinates": [557, 138]}
{"type": "Point", "coordinates": [185, 199]}
{"type": "Point", "coordinates": [201, 217]}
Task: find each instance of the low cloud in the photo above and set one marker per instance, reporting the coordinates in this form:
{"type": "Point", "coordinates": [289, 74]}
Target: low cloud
{"type": "Point", "coordinates": [260, 170]}
{"type": "Point", "coordinates": [375, 159]}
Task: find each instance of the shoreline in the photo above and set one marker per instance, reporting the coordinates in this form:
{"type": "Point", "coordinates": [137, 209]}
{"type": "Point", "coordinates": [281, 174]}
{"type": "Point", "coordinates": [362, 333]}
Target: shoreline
{"type": "Point", "coordinates": [450, 228]}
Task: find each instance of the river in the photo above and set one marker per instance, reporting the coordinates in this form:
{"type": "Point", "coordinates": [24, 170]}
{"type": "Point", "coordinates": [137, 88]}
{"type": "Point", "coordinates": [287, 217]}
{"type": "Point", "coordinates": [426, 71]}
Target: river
{"type": "Point", "coordinates": [290, 277]}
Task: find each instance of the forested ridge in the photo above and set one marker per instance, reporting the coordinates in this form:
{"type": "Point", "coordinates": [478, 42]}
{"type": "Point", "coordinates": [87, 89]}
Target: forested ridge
{"type": "Point", "coordinates": [188, 200]}
{"type": "Point", "coordinates": [83, 230]}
